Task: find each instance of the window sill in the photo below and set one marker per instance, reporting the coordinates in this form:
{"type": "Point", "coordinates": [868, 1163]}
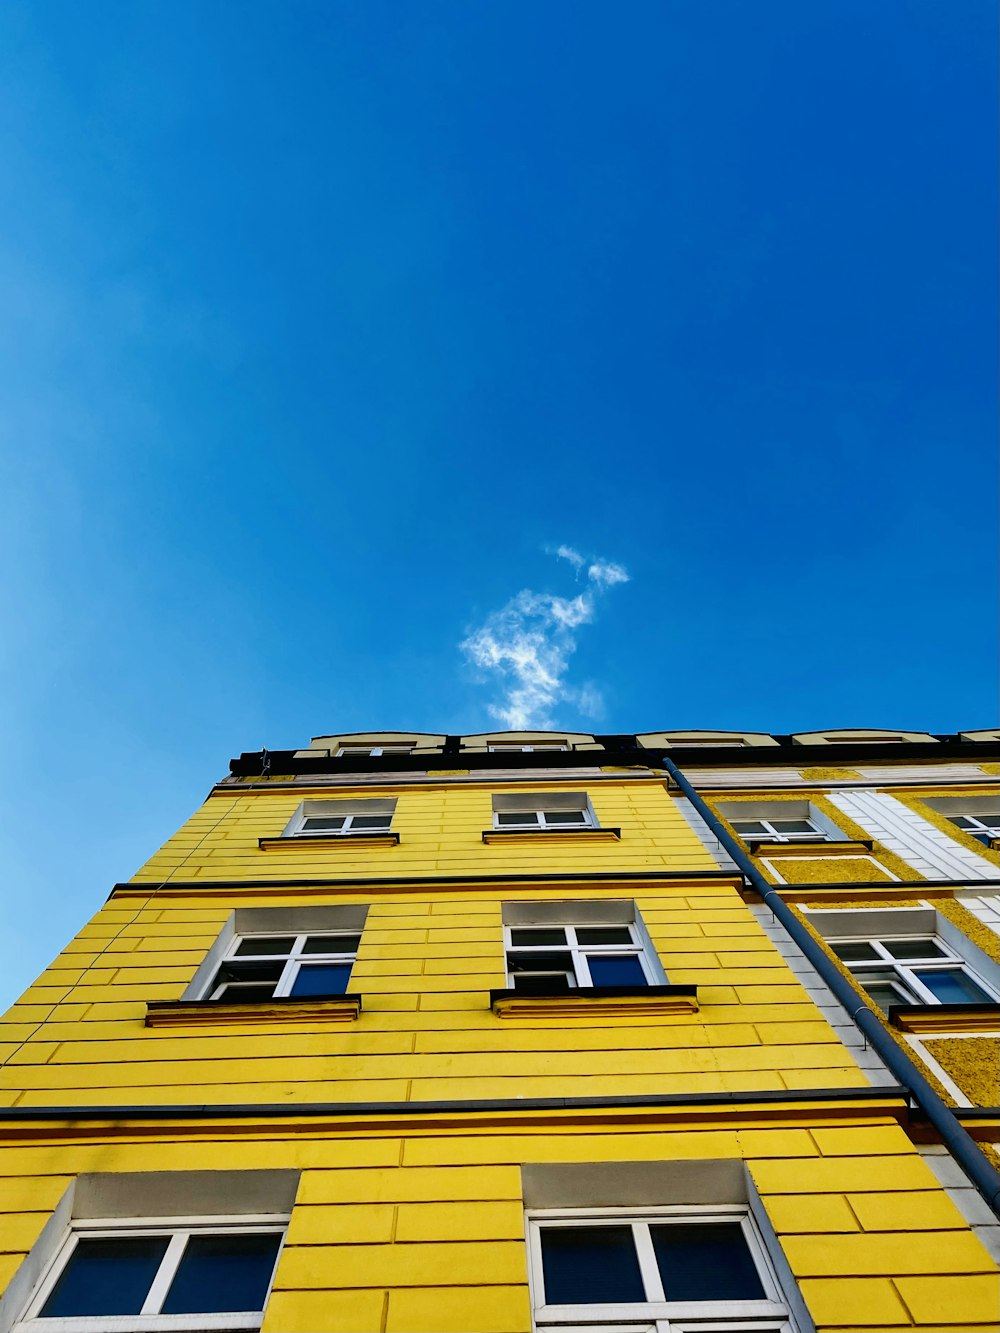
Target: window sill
{"type": "Point", "coordinates": [235, 1013]}
{"type": "Point", "coordinates": [518, 835]}
{"type": "Point", "coordinates": [945, 1017]}
{"type": "Point", "coordinates": [809, 847]}
{"type": "Point", "coordinates": [597, 1001]}
{"type": "Point", "coordinates": [355, 840]}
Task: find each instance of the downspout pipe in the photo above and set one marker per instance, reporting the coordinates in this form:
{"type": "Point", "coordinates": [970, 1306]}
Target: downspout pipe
{"type": "Point", "coordinates": [956, 1139]}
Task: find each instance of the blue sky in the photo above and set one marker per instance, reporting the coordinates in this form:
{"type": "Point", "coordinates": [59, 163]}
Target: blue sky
{"type": "Point", "coordinates": [326, 324]}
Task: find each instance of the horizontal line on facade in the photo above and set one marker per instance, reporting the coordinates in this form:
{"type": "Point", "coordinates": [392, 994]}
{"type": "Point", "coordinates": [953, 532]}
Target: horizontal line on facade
{"type": "Point", "coordinates": [269, 1110]}
{"type": "Point", "coordinates": [429, 881]}
{"type": "Point", "coordinates": [890, 884]}
{"type": "Point", "coordinates": [251, 762]}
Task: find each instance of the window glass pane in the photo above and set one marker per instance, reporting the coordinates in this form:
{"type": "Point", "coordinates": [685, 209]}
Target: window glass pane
{"type": "Point", "coordinates": [539, 962]}
{"type": "Point", "coordinates": [247, 994]}
{"type": "Point", "coordinates": [322, 979]}
{"type": "Point", "coordinates": [590, 1265]}
{"type": "Point", "coordinates": [223, 1273]}
{"type": "Point", "coordinates": [505, 817]}
{"type": "Point", "coordinates": [323, 823]}
{"type": "Point", "coordinates": [371, 822]}
{"type": "Point", "coordinates": [542, 983]}
{"type": "Point", "coordinates": [706, 1263]}
{"type": "Point", "coordinates": [916, 948]}
{"type": "Point", "coordinates": [239, 971]}
{"type": "Point", "coordinates": [793, 825]}
{"type": "Point", "coordinates": [616, 970]}
{"type": "Point", "coordinates": [331, 944]}
{"type": "Point", "coordinates": [566, 817]}
{"type": "Point", "coordinates": [538, 935]}
{"type": "Point", "coordinates": [952, 986]}
{"type": "Point", "coordinates": [107, 1276]}
{"type": "Point", "coordinates": [884, 994]}
{"type": "Point", "coordinates": [264, 944]}
{"type": "Point", "coordinates": [963, 821]}
{"type": "Point", "coordinates": [749, 828]}
{"type": "Point", "coordinates": [603, 935]}
{"type": "Point", "coordinates": [855, 951]}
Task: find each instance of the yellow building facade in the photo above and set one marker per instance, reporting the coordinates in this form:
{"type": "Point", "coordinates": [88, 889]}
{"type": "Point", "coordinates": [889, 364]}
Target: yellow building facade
{"type": "Point", "coordinates": [684, 1032]}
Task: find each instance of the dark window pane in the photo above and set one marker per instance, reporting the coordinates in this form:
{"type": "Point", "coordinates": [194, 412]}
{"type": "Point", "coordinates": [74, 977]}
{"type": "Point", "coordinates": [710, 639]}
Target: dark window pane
{"type": "Point", "coordinates": [616, 970]}
{"type": "Point", "coordinates": [538, 935]}
{"type": "Point", "coordinates": [322, 824]}
{"type": "Point", "coordinates": [107, 1277]}
{"type": "Point", "coordinates": [918, 948]}
{"type": "Point", "coordinates": [372, 822]}
{"type": "Point", "coordinates": [565, 817]}
{"type": "Point", "coordinates": [963, 821]}
{"type": "Point", "coordinates": [223, 1273]}
{"type": "Point", "coordinates": [706, 1263]}
{"type": "Point", "coordinates": [552, 983]}
{"type": "Point", "coordinates": [247, 994]}
{"type": "Point", "coordinates": [855, 951]}
{"type": "Point", "coordinates": [603, 935]}
{"type": "Point", "coordinates": [749, 828]}
{"type": "Point", "coordinates": [793, 826]}
{"type": "Point", "coordinates": [264, 944]}
{"type": "Point", "coordinates": [517, 817]}
{"type": "Point", "coordinates": [590, 1265]}
{"type": "Point", "coordinates": [539, 962]}
{"type": "Point", "coordinates": [332, 944]}
{"type": "Point", "coordinates": [322, 979]}
{"type": "Point", "coordinates": [952, 987]}
{"type": "Point", "coordinates": [256, 973]}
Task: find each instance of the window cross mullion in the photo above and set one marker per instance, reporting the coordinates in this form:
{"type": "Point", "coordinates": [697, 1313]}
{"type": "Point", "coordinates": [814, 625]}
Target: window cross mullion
{"type": "Point", "coordinates": [165, 1274]}
{"type": "Point", "coordinates": [648, 1266]}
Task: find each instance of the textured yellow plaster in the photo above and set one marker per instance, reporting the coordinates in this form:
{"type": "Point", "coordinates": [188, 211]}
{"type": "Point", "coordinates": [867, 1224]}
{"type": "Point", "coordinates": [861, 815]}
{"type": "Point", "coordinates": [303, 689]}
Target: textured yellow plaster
{"type": "Point", "coordinates": [831, 774]}
{"type": "Point", "coordinates": [828, 870]}
{"type": "Point", "coordinates": [974, 1064]}
{"type": "Point", "coordinates": [904, 1046]}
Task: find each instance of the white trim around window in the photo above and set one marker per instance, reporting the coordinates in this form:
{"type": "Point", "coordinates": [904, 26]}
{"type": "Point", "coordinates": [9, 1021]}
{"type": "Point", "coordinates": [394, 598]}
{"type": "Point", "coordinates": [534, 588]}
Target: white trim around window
{"type": "Point", "coordinates": [911, 969]}
{"type": "Point", "coordinates": [573, 954]}
{"type": "Point", "coordinates": [766, 1312]}
{"type": "Point", "coordinates": [341, 818]}
{"type": "Point", "coordinates": [177, 1233]}
{"type": "Point", "coordinates": [280, 966]}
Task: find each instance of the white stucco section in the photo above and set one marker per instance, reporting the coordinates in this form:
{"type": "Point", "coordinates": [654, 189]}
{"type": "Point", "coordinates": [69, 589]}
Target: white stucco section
{"type": "Point", "coordinates": [984, 906]}
{"type": "Point", "coordinates": [931, 853]}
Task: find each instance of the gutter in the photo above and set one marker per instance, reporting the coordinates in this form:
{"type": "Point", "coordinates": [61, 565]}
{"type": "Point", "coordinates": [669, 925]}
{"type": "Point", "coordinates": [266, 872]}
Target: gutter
{"type": "Point", "coordinates": [954, 1136]}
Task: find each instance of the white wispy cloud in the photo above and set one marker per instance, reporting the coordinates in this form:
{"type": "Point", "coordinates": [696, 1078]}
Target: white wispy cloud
{"type": "Point", "coordinates": [526, 646]}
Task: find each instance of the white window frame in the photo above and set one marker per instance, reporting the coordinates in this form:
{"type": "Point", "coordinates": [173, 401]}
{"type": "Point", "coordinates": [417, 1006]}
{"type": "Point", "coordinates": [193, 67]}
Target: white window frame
{"type": "Point", "coordinates": [656, 1313]}
{"type": "Point", "coordinates": [775, 834]}
{"type": "Point", "coordinates": [577, 972]}
{"type": "Point", "coordinates": [294, 960]}
{"type": "Point", "coordinates": [909, 987]}
{"type": "Point", "coordinates": [981, 830]}
{"type": "Point", "coordinates": [180, 1229]}
{"type": "Point", "coordinates": [347, 829]}
{"type": "Point", "coordinates": [536, 820]}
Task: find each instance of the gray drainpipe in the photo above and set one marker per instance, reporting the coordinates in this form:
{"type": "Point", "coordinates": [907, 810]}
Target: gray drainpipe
{"type": "Point", "coordinates": [959, 1143]}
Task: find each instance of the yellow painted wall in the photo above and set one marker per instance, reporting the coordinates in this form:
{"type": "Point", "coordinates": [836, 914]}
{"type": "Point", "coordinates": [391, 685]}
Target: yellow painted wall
{"type": "Point", "coordinates": [416, 1223]}
{"type": "Point", "coordinates": [424, 969]}
{"type": "Point", "coordinates": [440, 831]}
{"type": "Point", "coordinates": [421, 1230]}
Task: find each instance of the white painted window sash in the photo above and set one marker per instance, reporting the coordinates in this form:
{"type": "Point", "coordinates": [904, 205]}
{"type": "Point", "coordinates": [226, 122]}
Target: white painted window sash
{"type": "Point", "coordinates": [180, 1230]}
{"type": "Point", "coordinates": [578, 972]}
{"type": "Point", "coordinates": [295, 959]}
{"type": "Point", "coordinates": [540, 820]}
{"type": "Point", "coordinates": [670, 1316]}
{"type": "Point", "coordinates": [947, 961]}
